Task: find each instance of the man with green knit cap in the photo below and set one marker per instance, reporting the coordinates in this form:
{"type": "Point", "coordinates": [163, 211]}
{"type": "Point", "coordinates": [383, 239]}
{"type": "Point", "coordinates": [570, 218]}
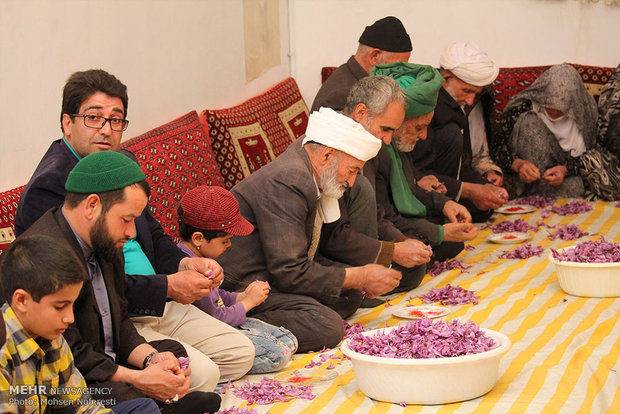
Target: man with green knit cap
{"type": "Point", "coordinates": [442, 222]}
{"type": "Point", "coordinates": [106, 192]}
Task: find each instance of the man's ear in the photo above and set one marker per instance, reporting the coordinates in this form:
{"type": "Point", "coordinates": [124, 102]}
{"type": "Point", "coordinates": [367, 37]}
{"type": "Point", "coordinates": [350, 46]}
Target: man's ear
{"type": "Point", "coordinates": [92, 205]}
{"type": "Point", "coordinates": [375, 56]}
{"type": "Point", "coordinates": [327, 153]}
{"type": "Point", "coordinates": [360, 113]}
{"type": "Point", "coordinates": [20, 300]}
{"type": "Point", "coordinates": [66, 122]}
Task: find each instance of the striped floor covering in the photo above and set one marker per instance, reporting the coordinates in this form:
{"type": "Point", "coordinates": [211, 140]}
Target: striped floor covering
{"type": "Point", "coordinates": [565, 349]}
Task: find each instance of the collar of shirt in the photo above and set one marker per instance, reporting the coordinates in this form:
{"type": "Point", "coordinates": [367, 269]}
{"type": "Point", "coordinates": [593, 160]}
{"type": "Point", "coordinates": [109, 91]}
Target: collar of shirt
{"type": "Point", "coordinates": [25, 345]}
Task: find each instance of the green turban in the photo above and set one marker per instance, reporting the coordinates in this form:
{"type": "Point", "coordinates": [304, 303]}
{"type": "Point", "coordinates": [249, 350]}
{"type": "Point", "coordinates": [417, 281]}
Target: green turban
{"type": "Point", "coordinates": [420, 83]}
{"type": "Point", "coordinates": [103, 171]}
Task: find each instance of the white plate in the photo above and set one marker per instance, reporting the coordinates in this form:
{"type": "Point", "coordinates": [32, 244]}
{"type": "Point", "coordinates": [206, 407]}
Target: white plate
{"type": "Point", "coordinates": [419, 312]}
{"type": "Point", "coordinates": [515, 209]}
{"type": "Point", "coordinates": [508, 237]}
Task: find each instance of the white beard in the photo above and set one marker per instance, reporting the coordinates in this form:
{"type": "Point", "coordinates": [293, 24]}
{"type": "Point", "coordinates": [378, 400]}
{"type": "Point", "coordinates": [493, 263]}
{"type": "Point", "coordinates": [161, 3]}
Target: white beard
{"type": "Point", "coordinates": [328, 183]}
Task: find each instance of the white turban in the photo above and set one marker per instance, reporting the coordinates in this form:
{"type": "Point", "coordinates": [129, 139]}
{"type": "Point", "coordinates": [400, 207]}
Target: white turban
{"type": "Point", "coordinates": [468, 63]}
{"type": "Point", "coordinates": [340, 132]}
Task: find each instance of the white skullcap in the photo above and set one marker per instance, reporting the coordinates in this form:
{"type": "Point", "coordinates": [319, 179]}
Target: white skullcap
{"type": "Point", "coordinates": [468, 63]}
{"type": "Point", "coordinates": [340, 132]}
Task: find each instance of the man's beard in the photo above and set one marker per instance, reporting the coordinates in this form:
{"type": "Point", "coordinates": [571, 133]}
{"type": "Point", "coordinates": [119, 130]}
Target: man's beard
{"type": "Point", "coordinates": [103, 245]}
{"type": "Point", "coordinates": [328, 181]}
{"type": "Point", "coordinates": [403, 146]}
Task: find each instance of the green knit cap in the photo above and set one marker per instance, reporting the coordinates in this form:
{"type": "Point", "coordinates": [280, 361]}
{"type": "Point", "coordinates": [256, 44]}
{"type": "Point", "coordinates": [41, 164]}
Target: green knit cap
{"type": "Point", "coordinates": [103, 171]}
{"type": "Point", "coordinates": [421, 84]}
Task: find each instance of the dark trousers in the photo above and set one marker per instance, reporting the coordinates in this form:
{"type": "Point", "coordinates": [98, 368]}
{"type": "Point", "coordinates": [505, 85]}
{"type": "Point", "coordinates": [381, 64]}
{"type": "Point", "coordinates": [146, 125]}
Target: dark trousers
{"type": "Point", "coordinates": [315, 325]}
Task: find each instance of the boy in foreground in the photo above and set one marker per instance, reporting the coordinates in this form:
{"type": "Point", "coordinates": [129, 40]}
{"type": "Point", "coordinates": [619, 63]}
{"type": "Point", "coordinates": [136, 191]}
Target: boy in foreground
{"type": "Point", "coordinates": [40, 281]}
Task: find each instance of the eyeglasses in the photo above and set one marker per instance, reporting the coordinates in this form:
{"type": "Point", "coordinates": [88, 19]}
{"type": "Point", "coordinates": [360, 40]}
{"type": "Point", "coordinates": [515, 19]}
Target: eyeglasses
{"type": "Point", "coordinates": [98, 122]}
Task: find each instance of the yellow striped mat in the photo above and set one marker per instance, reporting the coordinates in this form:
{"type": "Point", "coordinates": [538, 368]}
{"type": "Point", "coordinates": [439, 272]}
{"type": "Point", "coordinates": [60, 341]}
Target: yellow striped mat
{"type": "Point", "coordinates": [565, 349]}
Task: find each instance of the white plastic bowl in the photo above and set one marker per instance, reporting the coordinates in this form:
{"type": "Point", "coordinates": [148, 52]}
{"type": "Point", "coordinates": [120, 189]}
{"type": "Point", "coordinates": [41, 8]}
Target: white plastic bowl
{"type": "Point", "coordinates": [427, 381]}
{"type": "Point", "coordinates": [592, 280]}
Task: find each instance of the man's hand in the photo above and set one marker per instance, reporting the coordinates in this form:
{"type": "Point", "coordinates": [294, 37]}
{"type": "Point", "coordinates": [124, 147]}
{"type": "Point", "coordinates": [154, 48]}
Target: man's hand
{"type": "Point", "coordinates": [188, 286]}
{"type": "Point", "coordinates": [456, 212]}
{"type": "Point", "coordinates": [527, 171]}
{"type": "Point", "coordinates": [162, 380]}
{"type": "Point", "coordinates": [378, 279]}
{"type": "Point", "coordinates": [431, 183]}
{"type": "Point", "coordinates": [208, 267]}
{"type": "Point", "coordinates": [459, 232]}
{"type": "Point", "coordinates": [494, 178]}
{"type": "Point", "coordinates": [555, 175]}
{"type": "Point", "coordinates": [484, 196]}
{"type": "Point", "coordinates": [411, 252]}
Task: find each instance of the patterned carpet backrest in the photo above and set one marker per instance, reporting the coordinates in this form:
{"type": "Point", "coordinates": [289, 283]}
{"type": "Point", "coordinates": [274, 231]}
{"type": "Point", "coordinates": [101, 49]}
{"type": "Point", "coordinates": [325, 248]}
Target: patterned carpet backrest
{"type": "Point", "coordinates": [250, 135]}
{"type": "Point", "coordinates": [175, 157]}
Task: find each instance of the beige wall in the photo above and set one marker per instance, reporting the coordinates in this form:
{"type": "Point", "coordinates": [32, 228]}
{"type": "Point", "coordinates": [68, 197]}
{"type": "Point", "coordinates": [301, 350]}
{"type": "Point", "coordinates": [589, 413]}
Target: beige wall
{"type": "Point", "coordinates": [180, 55]}
{"type": "Point", "coordinates": [173, 55]}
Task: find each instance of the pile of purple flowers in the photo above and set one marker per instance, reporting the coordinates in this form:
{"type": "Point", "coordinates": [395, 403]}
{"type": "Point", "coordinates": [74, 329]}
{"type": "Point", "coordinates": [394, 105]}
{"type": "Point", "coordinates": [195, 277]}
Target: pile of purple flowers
{"type": "Point", "coordinates": [269, 391]}
{"type": "Point", "coordinates": [423, 339]}
{"type": "Point", "coordinates": [536, 201]}
{"type": "Point", "coordinates": [450, 295]}
{"type": "Point", "coordinates": [352, 329]}
{"type": "Point", "coordinates": [440, 267]}
{"type": "Point", "coordinates": [568, 232]}
{"type": "Point", "coordinates": [571, 208]}
{"type": "Point", "coordinates": [244, 410]}
{"type": "Point", "coordinates": [522, 252]}
{"type": "Point", "coordinates": [519, 226]}
{"type": "Point", "coordinates": [597, 251]}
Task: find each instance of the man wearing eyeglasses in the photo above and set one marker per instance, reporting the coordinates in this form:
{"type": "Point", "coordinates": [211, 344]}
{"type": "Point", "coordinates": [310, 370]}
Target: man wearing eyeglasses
{"type": "Point", "coordinates": [93, 118]}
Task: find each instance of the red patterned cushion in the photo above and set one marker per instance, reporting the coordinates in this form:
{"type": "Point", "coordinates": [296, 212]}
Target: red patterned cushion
{"type": "Point", "coordinates": [8, 207]}
{"type": "Point", "coordinates": [247, 136]}
{"type": "Point", "coordinates": [511, 81]}
{"type": "Point", "coordinates": [594, 77]}
{"type": "Point", "coordinates": [175, 157]}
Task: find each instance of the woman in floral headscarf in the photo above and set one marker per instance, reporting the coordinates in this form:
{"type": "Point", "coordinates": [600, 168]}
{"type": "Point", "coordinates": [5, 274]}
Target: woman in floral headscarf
{"type": "Point", "coordinates": [544, 130]}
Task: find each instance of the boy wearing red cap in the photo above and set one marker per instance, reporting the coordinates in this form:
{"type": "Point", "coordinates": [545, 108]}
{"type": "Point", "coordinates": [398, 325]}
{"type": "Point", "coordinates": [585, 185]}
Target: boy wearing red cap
{"type": "Point", "coordinates": [209, 217]}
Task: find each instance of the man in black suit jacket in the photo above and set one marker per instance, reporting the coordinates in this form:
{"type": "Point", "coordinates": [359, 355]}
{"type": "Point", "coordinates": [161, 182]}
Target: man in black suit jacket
{"type": "Point", "coordinates": [106, 191]}
{"type": "Point", "coordinates": [93, 118]}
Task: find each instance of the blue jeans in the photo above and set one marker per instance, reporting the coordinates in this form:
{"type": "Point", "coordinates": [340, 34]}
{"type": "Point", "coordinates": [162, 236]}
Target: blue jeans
{"type": "Point", "coordinates": [137, 406]}
{"type": "Point", "coordinates": [274, 345]}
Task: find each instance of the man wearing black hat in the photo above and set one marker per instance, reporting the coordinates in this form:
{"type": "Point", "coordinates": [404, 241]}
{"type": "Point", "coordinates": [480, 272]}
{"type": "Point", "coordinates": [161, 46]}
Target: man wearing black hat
{"type": "Point", "coordinates": [385, 41]}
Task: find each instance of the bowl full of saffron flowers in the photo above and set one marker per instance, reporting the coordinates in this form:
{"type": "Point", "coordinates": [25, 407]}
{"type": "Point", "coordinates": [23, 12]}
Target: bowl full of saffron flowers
{"type": "Point", "coordinates": [426, 362]}
{"type": "Point", "coordinates": [589, 269]}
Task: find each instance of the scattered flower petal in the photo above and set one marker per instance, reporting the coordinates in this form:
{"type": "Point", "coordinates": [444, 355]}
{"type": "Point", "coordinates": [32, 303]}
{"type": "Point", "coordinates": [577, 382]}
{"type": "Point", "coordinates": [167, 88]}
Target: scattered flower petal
{"type": "Point", "coordinates": [450, 295]}
{"type": "Point", "coordinates": [522, 252]}
{"type": "Point", "coordinates": [440, 267]}
{"type": "Point", "coordinates": [568, 232]}
{"type": "Point", "coordinates": [517, 226]}
{"type": "Point", "coordinates": [269, 391]}
{"type": "Point", "coordinates": [571, 208]}
{"type": "Point", "coordinates": [536, 201]}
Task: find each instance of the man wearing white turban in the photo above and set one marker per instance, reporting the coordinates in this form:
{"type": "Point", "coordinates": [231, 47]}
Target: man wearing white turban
{"type": "Point", "coordinates": [447, 153]}
{"type": "Point", "coordinates": [288, 201]}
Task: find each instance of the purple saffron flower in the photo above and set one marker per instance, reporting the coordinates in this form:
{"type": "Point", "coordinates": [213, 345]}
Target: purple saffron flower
{"type": "Point", "coordinates": [571, 208]}
{"type": "Point", "coordinates": [597, 251]}
{"type": "Point", "coordinates": [440, 267]}
{"type": "Point", "coordinates": [517, 226]}
{"type": "Point", "coordinates": [424, 339]}
{"type": "Point", "coordinates": [567, 232]}
{"type": "Point", "coordinates": [522, 252]}
{"type": "Point", "coordinates": [450, 295]}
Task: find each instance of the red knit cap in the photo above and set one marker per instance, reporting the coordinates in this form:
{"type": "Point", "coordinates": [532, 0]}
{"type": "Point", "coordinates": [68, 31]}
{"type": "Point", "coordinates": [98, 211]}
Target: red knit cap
{"type": "Point", "coordinates": [214, 208]}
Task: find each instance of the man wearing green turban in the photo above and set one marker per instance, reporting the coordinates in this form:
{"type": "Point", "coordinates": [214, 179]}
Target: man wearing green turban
{"type": "Point", "coordinates": [393, 176]}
